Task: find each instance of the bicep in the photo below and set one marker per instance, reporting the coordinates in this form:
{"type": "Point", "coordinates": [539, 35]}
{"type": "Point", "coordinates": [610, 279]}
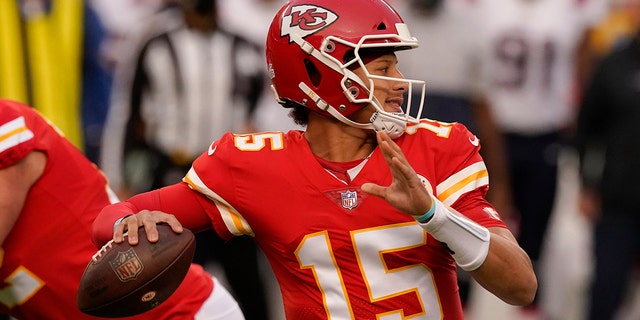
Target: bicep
{"type": "Point", "coordinates": [15, 183]}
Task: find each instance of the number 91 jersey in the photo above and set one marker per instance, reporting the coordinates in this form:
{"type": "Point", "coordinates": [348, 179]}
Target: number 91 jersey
{"type": "Point", "coordinates": [337, 252]}
{"type": "Point", "coordinates": [528, 51]}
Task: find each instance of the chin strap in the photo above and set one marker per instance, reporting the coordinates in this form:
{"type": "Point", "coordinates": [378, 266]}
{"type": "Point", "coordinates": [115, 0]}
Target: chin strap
{"type": "Point", "coordinates": [393, 127]}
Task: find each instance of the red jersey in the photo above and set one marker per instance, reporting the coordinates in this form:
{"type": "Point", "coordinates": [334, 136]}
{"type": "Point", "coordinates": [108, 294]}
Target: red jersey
{"type": "Point", "coordinates": [44, 256]}
{"type": "Point", "coordinates": [337, 252]}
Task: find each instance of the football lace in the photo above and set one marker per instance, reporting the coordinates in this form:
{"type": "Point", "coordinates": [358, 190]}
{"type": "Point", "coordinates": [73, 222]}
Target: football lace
{"type": "Point", "coordinates": [107, 246]}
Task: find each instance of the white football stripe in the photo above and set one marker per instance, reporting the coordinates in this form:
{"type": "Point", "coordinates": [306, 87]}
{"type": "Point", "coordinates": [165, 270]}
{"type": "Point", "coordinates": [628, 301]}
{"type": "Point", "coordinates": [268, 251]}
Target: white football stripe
{"type": "Point", "coordinates": [14, 133]}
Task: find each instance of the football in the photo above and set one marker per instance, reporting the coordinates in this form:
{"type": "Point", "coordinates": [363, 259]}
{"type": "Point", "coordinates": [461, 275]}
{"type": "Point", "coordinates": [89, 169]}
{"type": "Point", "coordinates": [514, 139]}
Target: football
{"type": "Point", "coordinates": [123, 280]}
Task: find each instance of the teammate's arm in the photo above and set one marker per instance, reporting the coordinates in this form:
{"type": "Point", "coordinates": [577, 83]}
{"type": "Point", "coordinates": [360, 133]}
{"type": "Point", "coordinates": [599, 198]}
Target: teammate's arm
{"type": "Point", "coordinates": [15, 182]}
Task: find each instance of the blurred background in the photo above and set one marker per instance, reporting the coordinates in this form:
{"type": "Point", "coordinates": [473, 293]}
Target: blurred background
{"type": "Point", "coordinates": [144, 86]}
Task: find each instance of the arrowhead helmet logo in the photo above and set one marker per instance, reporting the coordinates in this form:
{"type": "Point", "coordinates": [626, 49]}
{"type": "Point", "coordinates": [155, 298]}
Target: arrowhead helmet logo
{"type": "Point", "coordinates": [304, 20]}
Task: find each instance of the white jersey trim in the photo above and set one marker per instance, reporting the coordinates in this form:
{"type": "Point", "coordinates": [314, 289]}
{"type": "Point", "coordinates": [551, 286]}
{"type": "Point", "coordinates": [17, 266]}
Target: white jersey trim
{"type": "Point", "coordinates": [233, 220]}
{"type": "Point", "coordinates": [14, 133]}
{"type": "Point", "coordinates": [465, 180]}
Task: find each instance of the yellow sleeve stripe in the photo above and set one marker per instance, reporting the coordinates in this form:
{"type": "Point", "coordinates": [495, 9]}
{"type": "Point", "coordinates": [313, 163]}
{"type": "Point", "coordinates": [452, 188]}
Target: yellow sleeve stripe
{"type": "Point", "coordinates": [467, 179]}
{"type": "Point", "coordinates": [233, 220]}
{"type": "Point", "coordinates": [14, 133]}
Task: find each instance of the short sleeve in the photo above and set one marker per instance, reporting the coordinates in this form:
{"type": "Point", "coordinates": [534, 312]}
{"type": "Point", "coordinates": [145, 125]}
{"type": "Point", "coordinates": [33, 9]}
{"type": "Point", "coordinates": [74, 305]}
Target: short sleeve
{"type": "Point", "coordinates": [17, 140]}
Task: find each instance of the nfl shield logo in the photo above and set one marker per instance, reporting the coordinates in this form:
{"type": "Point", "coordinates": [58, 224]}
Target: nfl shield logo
{"type": "Point", "coordinates": [127, 265]}
{"type": "Point", "coordinates": [349, 199]}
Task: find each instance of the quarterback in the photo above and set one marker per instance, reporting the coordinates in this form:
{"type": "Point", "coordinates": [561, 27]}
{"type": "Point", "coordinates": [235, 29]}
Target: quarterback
{"type": "Point", "coordinates": [366, 212]}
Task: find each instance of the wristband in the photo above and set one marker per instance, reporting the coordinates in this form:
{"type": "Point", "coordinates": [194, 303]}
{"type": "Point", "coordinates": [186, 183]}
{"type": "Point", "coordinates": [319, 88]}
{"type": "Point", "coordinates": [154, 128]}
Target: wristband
{"type": "Point", "coordinates": [467, 241]}
{"type": "Point", "coordinates": [115, 224]}
{"type": "Point", "coordinates": [425, 217]}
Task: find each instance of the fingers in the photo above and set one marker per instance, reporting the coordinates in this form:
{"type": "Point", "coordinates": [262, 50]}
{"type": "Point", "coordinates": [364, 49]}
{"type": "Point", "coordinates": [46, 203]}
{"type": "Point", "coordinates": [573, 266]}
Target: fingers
{"type": "Point", "coordinates": [386, 146]}
{"type": "Point", "coordinates": [394, 156]}
{"type": "Point", "coordinates": [373, 189]}
{"type": "Point", "coordinates": [119, 230]}
{"type": "Point", "coordinates": [148, 220]}
{"type": "Point", "coordinates": [406, 192]}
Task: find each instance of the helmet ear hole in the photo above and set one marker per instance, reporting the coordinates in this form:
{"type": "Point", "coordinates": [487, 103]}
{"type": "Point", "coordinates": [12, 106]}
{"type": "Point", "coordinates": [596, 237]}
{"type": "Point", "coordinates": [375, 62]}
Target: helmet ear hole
{"type": "Point", "coordinates": [313, 72]}
{"type": "Point", "coordinates": [348, 56]}
{"type": "Point", "coordinates": [382, 26]}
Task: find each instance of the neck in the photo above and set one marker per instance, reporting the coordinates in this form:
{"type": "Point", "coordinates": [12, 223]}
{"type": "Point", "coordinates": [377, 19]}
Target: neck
{"type": "Point", "coordinates": [335, 141]}
{"type": "Point", "coordinates": [200, 22]}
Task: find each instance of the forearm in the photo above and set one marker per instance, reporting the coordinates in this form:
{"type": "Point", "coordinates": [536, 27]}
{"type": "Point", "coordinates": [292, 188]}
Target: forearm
{"type": "Point", "coordinates": [177, 199]}
{"type": "Point", "coordinates": [103, 224]}
{"type": "Point", "coordinates": [507, 271]}
{"type": "Point", "coordinates": [492, 256]}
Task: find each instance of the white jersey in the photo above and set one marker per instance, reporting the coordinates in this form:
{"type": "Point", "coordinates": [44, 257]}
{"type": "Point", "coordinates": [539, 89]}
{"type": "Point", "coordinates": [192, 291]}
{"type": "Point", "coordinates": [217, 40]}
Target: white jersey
{"type": "Point", "coordinates": [448, 48]}
{"type": "Point", "coordinates": [527, 59]}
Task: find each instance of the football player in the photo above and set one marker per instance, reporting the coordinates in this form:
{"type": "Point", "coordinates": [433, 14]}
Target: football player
{"type": "Point", "coordinates": [363, 215]}
{"type": "Point", "coordinates": [50, 193]}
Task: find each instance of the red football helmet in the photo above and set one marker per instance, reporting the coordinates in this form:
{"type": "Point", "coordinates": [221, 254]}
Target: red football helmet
{"type": "Point", "coordinates": [313, 45]}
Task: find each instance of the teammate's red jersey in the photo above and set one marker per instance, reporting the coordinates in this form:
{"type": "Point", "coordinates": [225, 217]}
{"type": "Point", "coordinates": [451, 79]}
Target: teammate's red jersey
{"type": "Point", "coordinates": [44, 256]}
{"type": "Point", "coordinates": [337, 252]}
